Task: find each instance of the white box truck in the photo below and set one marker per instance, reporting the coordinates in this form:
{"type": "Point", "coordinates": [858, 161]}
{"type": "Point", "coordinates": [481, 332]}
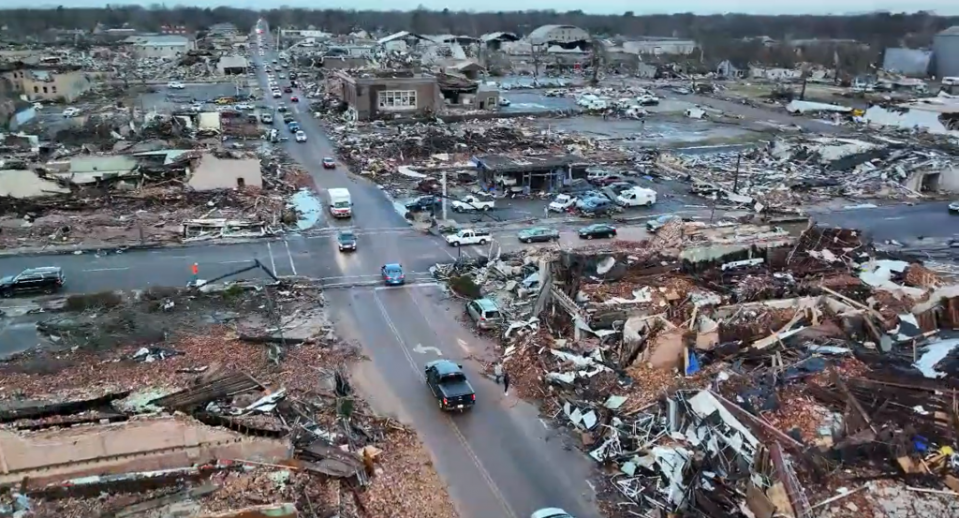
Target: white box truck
{"type": "Point", "coordinates": [341, 206]}
{"type": "Point", "coordinates": [636, 197]}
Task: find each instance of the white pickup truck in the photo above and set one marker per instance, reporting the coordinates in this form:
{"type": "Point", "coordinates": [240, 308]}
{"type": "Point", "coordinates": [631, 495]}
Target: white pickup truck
{"type": "Point", "coordinates": [471, 203]}
{"type": "Point", "coordinates": [469, 237]}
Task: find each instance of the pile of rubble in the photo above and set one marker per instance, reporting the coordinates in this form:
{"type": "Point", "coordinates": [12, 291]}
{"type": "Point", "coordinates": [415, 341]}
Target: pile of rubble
{"type": "Point", "coordinates": [791, 376]}
{"type": "Point", "coordinates": [377, 149]}
{"type": "Point", "coordinates": [209, 423]}
{"type": "Point", "coordinates": [791, 172]}
{"type": "Point", "coordinates": [148, 198]}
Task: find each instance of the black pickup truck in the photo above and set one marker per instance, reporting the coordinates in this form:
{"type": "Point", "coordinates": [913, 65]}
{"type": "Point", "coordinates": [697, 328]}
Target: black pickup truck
{"type": "Point", "coordinates": [449, 385]}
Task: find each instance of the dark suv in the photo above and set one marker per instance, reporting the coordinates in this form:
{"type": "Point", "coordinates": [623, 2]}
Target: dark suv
{"type": "Point", "coordinates": [47, 279]}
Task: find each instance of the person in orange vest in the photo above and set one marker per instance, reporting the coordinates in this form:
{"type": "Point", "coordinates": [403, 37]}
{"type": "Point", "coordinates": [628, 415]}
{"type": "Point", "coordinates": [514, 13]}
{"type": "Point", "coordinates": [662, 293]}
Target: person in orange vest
{"type": "Point", "coordinates": [196, 272]}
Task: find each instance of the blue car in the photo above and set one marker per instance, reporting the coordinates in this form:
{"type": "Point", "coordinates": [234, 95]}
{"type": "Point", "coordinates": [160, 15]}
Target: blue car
{"type": "Point", "coordinates": [393, 274]}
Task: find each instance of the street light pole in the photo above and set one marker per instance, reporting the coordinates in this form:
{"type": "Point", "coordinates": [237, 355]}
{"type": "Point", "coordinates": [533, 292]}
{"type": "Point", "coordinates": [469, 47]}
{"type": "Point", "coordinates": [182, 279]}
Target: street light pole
{"type": "Point", "coordinates": [444, 195]}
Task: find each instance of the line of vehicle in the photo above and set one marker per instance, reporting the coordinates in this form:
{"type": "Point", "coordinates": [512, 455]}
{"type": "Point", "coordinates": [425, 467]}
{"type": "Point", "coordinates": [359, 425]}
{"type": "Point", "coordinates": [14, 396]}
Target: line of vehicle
{"type": "Point", "coordinates": [459, 435]}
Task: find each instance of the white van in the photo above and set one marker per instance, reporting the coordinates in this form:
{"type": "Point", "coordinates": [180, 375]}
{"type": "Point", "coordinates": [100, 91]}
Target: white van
{"type": "Point", "coordinates": [341, 206]}
{"type": "Point", "coordinates": [636, 197]}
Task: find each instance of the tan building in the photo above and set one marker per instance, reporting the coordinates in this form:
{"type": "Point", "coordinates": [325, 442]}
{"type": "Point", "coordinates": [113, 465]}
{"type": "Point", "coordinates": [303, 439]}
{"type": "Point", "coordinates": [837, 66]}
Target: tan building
{"type": "Point", "coordinates": [390, 96]}
{"type": "Point", "coordinates": [50, 84]}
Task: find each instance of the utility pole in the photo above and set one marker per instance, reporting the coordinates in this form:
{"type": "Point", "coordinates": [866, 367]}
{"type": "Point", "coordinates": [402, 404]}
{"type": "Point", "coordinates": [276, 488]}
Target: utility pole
{"type": "Point", "coordinates": [444, 195]}
{"type": "Point", "coordinates": [739, 157]}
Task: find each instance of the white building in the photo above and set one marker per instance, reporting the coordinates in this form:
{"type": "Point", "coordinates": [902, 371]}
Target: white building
{"type": "Point", "coordinates": [932, 115]}
{"type": "Point", "coordinates": [162, 46]}
{"type": "Point", "coordinates": [660, 46]}
{"type": "Point", "coordinates": [775, 74]}
{"type": "Point", "coordinates": [548, 34]}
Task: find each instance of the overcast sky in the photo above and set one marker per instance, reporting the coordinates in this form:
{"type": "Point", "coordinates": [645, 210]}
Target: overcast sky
{"type": "Point", "coordinates": [945, 7]}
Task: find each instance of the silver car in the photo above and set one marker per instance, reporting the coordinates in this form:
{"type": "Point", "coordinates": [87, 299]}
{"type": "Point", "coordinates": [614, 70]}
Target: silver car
{"type": "Point", "coordinates": [551, 512]}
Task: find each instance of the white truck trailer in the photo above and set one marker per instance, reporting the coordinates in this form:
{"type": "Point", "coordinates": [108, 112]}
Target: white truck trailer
{"type": "Point", "coordinates": [341, 206]}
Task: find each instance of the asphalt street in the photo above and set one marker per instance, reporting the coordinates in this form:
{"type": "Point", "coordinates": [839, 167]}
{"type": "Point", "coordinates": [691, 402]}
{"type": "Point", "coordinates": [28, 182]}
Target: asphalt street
{"type": "Point", "coordinates": [487, 476]}
{"type": "Point", "coordinates": [900, 222]}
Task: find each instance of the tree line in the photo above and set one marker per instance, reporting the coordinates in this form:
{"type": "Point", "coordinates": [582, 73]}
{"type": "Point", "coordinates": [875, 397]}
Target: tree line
{"type": "Point", "coordinates": [877, 30]}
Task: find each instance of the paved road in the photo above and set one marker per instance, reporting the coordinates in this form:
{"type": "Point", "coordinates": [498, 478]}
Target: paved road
{"type": "Point", "coordinates": [487, 476]}
{"type": "Point", "coordinates": [901, 222]}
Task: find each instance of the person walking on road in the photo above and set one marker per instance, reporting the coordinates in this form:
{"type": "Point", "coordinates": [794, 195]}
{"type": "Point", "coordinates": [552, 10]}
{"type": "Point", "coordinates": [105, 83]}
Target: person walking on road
{"type": "Point", "coordinates": [506, 383]}
{"type": "Point", "coordinates": [497, 372]}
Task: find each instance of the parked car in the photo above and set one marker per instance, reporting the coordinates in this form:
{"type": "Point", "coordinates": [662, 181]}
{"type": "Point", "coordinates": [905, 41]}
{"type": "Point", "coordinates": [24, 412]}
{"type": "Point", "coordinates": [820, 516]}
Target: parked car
{"type": "Point", "coordinates": [618, 187]}
{"type": "Point", "coordinates": [393, 274]}
{"type": "Point", "coordinates": [288, 89]}
{"type": "Point", "coordinates": [294, 127]}
{"type": "Point", "coordinates": [266, 118]}
{"type": "Point", "coordinates": [562, 203]}
{"type": "Point", "coordinates": [590, 198]}
{"type": "Point", "coordinates": [468, 236]}
{"type": "Point", "coordinates": [449, 385]}
{"type": "Point", "coordinates": [595, 176]}
{"type": "Point", "coordinates": [636, 197]}
{"type": "Point", "coordinates": [288, 118]}
{"type": "Point", "coordinates": [176, 85]}
{"type": "Point", "coordinates": [551, 512]}
{"type": "Point", "coordinates": [576, 186]}
{"type": "Point", "coordinates": [954, 207]}
{"type": "Point", "coordinates": [45, 279]}
{"type": "Point", "coordinates": [71, 112]}
{"type": "Point", "coordinates": [301, 136]}
{"type": "Point", "coordinates": [597, 231]}
{"type": "Point", "coordinates": [277, 94]}
{"type": "Point", "coordinates": [471, 203]}
{"type": "Point", "coordinates": [484, 313]}
{"type": "Point", "coordinates": [423, 203]}
{"type": "Point", "coordinates": [647, 100]}
{"type": "Point", "coordinates": [598, 206]}
{"type": "Point", "coordinates": [609, 179]}
{"type": "Point", "coordinates": [539, 235]}
{"type": "Point", "coordinates": [329, 163]}
{"type": "Point", "coordinates": [346, 241]}
{"type": "Point", "coordinates": [281, 108]}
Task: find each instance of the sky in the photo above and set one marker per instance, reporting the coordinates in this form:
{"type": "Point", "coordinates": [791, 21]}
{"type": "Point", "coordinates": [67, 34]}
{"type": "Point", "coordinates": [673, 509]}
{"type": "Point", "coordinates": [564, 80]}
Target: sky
{"type": "Point", "coordinates": [944, 7]}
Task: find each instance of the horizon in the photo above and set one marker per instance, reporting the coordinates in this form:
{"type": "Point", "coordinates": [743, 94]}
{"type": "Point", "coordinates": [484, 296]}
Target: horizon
{"type": "Point", "coordinates": [614, 7]}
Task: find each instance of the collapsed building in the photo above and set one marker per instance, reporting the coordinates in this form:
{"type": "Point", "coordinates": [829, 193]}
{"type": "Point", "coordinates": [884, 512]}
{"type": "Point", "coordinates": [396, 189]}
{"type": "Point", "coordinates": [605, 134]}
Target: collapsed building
{"type": "Point", "coordinates": [739, 371]}
{"type": "Point", "coordinates": [153, 409]}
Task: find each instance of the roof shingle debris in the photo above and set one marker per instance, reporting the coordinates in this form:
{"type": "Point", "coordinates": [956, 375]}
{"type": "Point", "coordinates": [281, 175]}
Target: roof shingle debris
{"type": "Point", "coordinates": [801, 376]}
{"type": "Point", "coordinates": [210, 424]}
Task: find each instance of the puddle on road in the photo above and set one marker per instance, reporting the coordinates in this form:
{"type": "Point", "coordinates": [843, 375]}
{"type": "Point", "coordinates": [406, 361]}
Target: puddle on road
{"type": "Point", "coordinates": [308, 208]}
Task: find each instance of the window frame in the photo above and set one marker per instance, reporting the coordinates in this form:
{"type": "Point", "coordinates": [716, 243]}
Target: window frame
{"type": "Point", "coordinates": [396, 100]}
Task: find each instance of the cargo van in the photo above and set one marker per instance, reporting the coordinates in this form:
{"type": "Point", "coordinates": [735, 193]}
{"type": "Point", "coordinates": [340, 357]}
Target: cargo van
{"type": "Point", "coordinates": [341, 206]}
{"type": "Point", "coordinates": [636, 197]}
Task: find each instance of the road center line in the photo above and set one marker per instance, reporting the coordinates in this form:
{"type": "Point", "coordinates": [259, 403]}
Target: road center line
{"type": "Point", "coordinates": [107, 269]}
{"type": "Point", "coordinates": [290, 255]}
{"type": "Point", "coordinates": [459, 435]}
{"type": "Point", "coordinates": [272, 260]}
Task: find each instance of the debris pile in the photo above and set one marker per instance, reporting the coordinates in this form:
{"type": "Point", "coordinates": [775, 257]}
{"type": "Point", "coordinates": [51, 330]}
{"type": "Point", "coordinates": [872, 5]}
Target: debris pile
{"type": "Point", "coordinates": [792, 172]}
{"type": "Point", "coordinates": [172, 196]}
{"type": "Point", "coordinates": [790, 375]}
{"type": "Point", "coordinates": [234, 420]}
{"type": "Point", "coordinates": [377, 149]}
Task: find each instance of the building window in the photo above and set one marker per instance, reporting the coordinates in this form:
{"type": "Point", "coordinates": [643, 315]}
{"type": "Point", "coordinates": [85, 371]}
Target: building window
{"type": "Point", "coordinates": [397, 99]}
{"type": "Point", "coordinates": [44, 89]}
{"type": "Point", "coordinates": [36, 89]}
{"type": "Point", "coordinates": [53, 89]}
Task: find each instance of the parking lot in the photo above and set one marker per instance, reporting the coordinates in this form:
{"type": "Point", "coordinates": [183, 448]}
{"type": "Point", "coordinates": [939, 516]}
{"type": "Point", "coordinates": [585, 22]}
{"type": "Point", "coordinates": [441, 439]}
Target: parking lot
{"type": "Point", "coordinates": [166, 99]}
